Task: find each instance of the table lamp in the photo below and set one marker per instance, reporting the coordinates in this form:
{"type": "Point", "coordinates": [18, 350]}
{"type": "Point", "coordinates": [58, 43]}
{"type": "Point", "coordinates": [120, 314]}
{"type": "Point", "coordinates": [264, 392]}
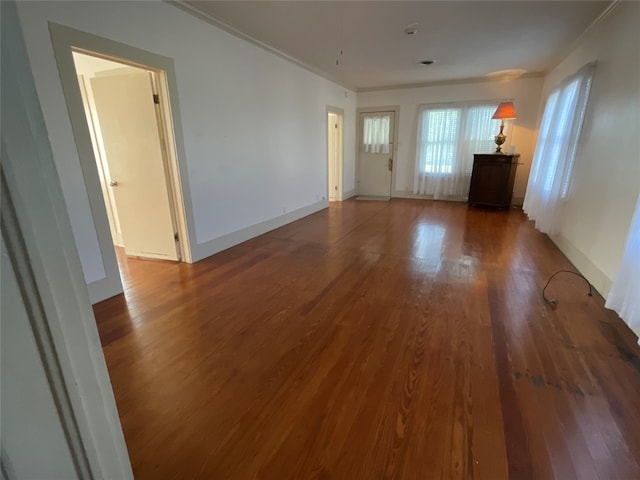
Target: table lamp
{"type": "Point", "coordinates": [505, 111]}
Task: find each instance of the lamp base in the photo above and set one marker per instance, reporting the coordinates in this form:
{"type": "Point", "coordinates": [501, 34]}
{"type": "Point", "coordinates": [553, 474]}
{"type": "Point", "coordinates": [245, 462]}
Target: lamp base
{"type": "Point", "coordinates": [500, 139]}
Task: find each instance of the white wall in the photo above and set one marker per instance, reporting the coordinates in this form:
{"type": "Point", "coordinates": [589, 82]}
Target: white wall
{"type": "Point", "coordinates": [606, 178]}
{"type": "Point", "coordinates": [254, 123]}
{"type": "Point", "coordinates": [525, 92]}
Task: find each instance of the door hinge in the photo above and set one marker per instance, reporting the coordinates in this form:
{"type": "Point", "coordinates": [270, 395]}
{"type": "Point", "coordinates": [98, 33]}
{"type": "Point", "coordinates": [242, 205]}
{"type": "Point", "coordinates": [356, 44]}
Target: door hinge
{"type": "Point", "coordinates": [176, 237]}
{"type": "Point", "coordinates": [156, 98]}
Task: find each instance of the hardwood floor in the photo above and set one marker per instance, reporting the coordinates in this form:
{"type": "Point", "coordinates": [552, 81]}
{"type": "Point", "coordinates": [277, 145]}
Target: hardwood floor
{"type": "Point", "coordinates": [374, 340]}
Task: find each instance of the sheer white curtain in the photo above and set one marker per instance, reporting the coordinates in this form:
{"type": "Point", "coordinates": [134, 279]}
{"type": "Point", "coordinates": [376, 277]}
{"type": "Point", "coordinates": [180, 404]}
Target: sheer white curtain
{"type": "Point", "coordinates": [624, 296]}
{"type": "Point", "coordinates": [556, 149]}
{"type": "Point", "coordinates": [448, 136]}
{"type": "Point", "coordinates": [376, 134]}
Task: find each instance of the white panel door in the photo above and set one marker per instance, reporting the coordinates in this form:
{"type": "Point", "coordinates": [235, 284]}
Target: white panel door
{"type": "Point", "coordinates": [375, 169]}
{"type": "Point", "coordinates": [333, 148]}
{"type": "Point", "coordinates": [129, 126]}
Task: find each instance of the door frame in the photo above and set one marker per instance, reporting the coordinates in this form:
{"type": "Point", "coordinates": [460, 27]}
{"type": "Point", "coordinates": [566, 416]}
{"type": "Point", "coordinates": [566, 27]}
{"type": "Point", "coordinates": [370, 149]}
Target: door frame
{"type": "Point", "coordinates": [340, 170]}
{"type": "Point", "coordinates": [37, 233]}
{"type": "Point", "coordinates": [65, 40]}
{"type": "Point", "coordinates": [106, 163]}
{"type": "Point", "coordinates": [395, 109]}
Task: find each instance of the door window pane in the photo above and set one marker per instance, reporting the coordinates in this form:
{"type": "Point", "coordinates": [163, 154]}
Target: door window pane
{"type": "Point", "coordinates": [375, 134]}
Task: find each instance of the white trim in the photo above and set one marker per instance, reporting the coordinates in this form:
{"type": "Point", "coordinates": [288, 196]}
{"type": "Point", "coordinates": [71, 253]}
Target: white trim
{"type": "Point", "coordinates": [516, 201]}
{"type": "Point", "coordinates": [559, 56]}
{"type": "Point", "coordinates": [437, 83]}
{"type": "Point", "coordinates": [223, 242]}
{"type": "Point", "coordinates": [417, 196]}
{"type": "Point", "coordinates": [65, 40]}
{"type": "Point", "coordinates": [600, 281]}
{"type": "Point", "coordinates": [172, 162]}
{"type": "Point", "coordinates": [30, 296]}
{"type": "Point", "coordinates": [191, 9]}
{"type": "Point", "coordinates": [75, 358]}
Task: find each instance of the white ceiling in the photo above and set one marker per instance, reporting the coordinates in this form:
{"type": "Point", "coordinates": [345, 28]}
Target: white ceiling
{"type": "Point", "coordinates": [468, 39]}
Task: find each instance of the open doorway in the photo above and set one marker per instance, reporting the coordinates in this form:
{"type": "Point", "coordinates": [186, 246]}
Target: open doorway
{"type": "Point", "coordinates": [102, 272]}
{"type": "Point", "coordinates": [127, 126]}
{"type": "Point", "coordinates": [334, 153]}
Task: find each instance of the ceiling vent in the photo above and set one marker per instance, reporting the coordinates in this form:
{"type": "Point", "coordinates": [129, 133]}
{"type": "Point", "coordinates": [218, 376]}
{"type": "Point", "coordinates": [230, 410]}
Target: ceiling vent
{"type": "Point", "coordinates": [411, 29]}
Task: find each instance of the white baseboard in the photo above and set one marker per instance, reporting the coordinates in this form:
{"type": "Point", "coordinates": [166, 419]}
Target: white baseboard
{"type": "Point", "coordinates": [348, 194]}
{"type": "Point", "coordinates": [600, 281]}
{"type": "Point", "coordinates": [517, 201]}
{"type": "Point", "coordinates": [417, 196]}
{"type": "Point", "coordinates": [216, 245]}
{"type": "Point", "coordinates": [408, 194]}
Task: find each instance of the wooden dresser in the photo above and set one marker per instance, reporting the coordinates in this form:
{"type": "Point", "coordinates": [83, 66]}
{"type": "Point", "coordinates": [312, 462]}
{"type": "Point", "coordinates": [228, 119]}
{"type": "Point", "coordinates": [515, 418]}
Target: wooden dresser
{"type": "Point", "coordinates": [492, 179]}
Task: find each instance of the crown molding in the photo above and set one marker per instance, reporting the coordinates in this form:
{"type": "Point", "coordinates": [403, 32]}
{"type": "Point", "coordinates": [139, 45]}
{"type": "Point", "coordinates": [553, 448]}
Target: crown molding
{"type": "Point", "coordinates": [189, 8]}
{"type": "Point", "coordinates": [559, 57]}
{"type": "Point", "coordinates": [458, 81]}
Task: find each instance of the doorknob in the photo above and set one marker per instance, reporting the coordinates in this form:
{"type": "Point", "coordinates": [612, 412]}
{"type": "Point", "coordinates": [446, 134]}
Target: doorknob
{"type": "Point", "coordinates": [390, 164]}
{"type": "Point", "coordinates": [113, 183]}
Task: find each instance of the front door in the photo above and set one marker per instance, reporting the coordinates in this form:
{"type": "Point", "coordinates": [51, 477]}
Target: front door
{"type": "Point", "coordinates": [129, 126]}
{"type": "Point", "coordinates": [376, 153]}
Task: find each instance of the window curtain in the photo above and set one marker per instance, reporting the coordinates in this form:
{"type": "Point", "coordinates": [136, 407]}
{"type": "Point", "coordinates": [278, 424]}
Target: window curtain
{"type": "Point", "coordinates": [624, 296]}
{"type": "Point", "coordinates": [448, 136]}
{"type": "Point", "coordinates": [556, 148]}
{"type": "Point", "coordinates": [376, 134]}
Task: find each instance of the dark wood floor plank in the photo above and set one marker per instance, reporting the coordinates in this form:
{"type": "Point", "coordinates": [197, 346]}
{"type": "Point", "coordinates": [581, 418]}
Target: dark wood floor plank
{"type": "Point", "coordinates": [373, 340]}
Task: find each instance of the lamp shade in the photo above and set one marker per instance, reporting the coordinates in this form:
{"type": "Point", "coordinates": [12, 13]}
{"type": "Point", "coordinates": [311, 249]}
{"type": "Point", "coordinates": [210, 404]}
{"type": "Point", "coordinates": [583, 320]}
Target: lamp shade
{"type": "Point", "coordinates": [505, 110]}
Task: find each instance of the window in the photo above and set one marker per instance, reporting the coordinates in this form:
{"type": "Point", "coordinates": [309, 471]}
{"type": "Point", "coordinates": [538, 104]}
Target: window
{"type": "Point", "coordinates": [439, 139]}
{"type": "Point", "coordinates": [554, 157]}
{"type": "Point", "coordinates": [555, 133]}
{"type": "Point", "coordinates": [448, 136]}
{"type": "Point", "coordinates": [375, 134]}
